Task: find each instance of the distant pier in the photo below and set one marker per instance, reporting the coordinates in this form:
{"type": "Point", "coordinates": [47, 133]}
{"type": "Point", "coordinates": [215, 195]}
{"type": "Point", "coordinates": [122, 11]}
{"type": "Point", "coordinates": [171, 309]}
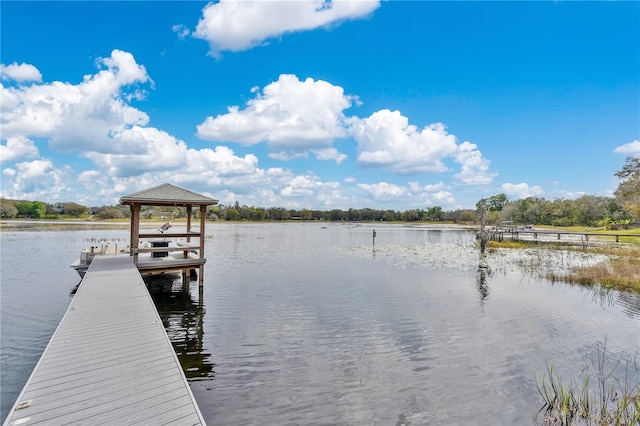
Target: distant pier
{"type": "Point", "coordinates": [109, 361]}
{"type": "Point", "coordinates": [548, 235]}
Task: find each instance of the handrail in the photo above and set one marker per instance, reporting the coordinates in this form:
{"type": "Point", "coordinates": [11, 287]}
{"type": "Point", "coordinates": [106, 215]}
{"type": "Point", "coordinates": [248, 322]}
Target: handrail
{"type": "Point", "coordinates": [163, 249]}
{"type": "Point", "coordinates": [169, 234]}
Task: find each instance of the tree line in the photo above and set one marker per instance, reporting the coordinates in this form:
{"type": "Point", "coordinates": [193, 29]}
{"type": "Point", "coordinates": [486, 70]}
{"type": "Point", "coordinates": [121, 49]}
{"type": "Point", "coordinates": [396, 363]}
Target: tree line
{"type": "Point", "coordinates": [588, 210]}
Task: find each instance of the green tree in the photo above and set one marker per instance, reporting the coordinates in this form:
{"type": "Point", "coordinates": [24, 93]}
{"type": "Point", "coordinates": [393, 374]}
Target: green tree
{"type": "Point", "coordinates": [25, 208]}
{"type": "Point", "coordinates": [591, 209]}
{"type": "Point", "coordinates": [232, 214]}
{"type": "Point", "coordinates": [497, 202]}
{"type": "Point", "coordinates": [110, 213]}
{"type": "Point", "coordinates": [39, 209]}
{"type": "Point", "coordinates": [434, 213]}
{"type": "Point", "coordinates": [628, 192]}
{"type": "Point", "coordinates": [533, 210]}
{"type": "Point", "coordinates": [74, 209]}
{"type": "Point", "coordinates": [337, 214]}
{"type": "Point", "coordinates": [390, 215]}
{"type": "Point", "coordinates": [410, 216]}
{"type": "Point", "coordinates": [485, 206]}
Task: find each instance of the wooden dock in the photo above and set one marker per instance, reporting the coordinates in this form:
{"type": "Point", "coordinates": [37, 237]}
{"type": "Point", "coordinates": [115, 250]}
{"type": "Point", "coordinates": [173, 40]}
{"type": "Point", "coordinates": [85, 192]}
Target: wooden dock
{"type": "Point", "coordinates": [110, 360]}
{"type": "Point", "coordinates": [536, 235]}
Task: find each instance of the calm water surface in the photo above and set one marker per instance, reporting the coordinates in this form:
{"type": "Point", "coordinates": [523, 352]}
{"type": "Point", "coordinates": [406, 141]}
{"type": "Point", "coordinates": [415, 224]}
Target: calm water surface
{"type": "Point", "coordinates": [310, 324]}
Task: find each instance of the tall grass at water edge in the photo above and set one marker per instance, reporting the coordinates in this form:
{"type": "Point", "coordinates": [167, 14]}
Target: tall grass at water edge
{"type": "Point", "coordinates": [609, 393]}
{"type": "Point", "coordinates": [620, 270]}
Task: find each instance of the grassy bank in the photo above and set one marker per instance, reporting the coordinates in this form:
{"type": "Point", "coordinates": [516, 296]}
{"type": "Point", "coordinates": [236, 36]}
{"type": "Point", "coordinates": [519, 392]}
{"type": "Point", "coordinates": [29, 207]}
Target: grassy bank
{"type": "Point", "coordinates": [620, 271]}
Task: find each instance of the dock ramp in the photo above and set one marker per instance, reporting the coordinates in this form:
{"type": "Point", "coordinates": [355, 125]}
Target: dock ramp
{"type": "Point", "coordinates": [109, 361]}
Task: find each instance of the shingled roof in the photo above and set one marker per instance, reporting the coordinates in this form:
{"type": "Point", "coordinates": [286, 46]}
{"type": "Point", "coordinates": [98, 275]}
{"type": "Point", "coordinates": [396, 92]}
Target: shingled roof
{"type": "Point", "coordinates": [167, 195]}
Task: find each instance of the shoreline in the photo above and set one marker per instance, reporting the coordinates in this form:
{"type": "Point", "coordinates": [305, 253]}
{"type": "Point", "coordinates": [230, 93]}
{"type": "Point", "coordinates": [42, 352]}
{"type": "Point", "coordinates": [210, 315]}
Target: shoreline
{"type": "Point", "coordinates": [601, 262]}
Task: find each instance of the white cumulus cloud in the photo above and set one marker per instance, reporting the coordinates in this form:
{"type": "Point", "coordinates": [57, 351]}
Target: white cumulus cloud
{"type": "Point", "coordinates": [521, 190]}
{"type": "Point", "coordinates": [434, 187]}
{"type": "Point", "coordinates": [300, 186]}
{"type": "Point", "coordinates": [34, 180]}
{"type": "Point", "coordinates": [329, 154]}
{"type": "Point", "coordinates": [631, 148]}
{"type": "Point", "coordinates": [234, 25]}
{"type": "Point", "coordinates": [18, 147]}
{"type": "Point", "coordinates": [20, 72]}
{"type": "Point", "coordinates": [445, 198]}
{"type": "Point", "coordinates": [383, 190]}
{"type": "Point", "coordinates": [475, 168]}
{"type": "Point", "coordinates": [387, 140]}
{"type": "Point", "coordinates": [82, 116]}
{"type": "Point", "coordinates": [289, 115]}
{"type": "Point", "coordinates": [432, 194]}
{"type": "Point", "coordinates": [149, 149]}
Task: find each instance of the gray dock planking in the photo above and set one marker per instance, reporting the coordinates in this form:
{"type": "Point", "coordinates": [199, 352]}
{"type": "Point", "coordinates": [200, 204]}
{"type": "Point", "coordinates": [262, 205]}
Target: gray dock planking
{"type": "Point", "coordinates": [110, 360]}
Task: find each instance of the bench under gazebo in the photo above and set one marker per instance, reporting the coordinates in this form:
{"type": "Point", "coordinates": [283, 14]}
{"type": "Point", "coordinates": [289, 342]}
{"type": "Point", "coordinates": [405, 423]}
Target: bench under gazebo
{"type": "Point", "coordinates": [168, 195]}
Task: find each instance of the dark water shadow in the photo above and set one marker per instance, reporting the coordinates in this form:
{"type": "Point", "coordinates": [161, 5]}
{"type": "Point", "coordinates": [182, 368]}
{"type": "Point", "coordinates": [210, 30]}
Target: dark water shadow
{"type": "Point", "coordinates": [183, 320]}
{"type": "Point", "coordinates": [482, 286]}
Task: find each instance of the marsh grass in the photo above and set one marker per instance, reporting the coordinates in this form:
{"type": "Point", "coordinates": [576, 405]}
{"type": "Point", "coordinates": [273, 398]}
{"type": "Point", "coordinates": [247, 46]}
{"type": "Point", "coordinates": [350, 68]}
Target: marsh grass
{"type": "Point", "coordinates": [609, 393]}
{"type": "Point", "coordinates": [619, 270]}
{"type": "Point", "coordinates": [620, 273]}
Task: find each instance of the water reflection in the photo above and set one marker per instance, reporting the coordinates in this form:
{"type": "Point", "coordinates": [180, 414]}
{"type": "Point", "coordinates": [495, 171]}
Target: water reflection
{"type": "Point", "coordinates": [481, 285]}
{"type": "Point", "coordinates": [183, 320]}
{"type": "Point", "coordinates": [306, 326]}
{"type": "Point", "coordinates": [630, 303]}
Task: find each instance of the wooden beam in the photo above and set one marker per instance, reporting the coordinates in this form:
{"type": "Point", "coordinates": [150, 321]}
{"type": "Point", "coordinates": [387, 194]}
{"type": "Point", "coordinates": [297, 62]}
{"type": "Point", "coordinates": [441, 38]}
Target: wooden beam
{"type": "Point", "coordinates": [169, 265]}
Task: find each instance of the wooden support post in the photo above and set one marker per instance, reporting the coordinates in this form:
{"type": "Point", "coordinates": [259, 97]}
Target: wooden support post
{"type": "Point", "coordinates": [185, 254]}
{"type": "Point", "coordinates": [185, 280]}
{"type": "Point", "coordinates": [188, 221]}
{"type": "Point", "coordinates": [203, 213]}
{"type": "Point", "coordinates": [134, 231]}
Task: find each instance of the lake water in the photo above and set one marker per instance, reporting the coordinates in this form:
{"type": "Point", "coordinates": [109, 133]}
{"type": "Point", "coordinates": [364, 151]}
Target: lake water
{"type": "Point", "coordinates": [310, 323]}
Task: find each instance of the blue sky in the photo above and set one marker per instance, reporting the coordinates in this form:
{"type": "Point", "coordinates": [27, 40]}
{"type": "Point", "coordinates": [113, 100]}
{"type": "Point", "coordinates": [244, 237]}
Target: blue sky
{"type": "Point", "coordinates": [318, 104]}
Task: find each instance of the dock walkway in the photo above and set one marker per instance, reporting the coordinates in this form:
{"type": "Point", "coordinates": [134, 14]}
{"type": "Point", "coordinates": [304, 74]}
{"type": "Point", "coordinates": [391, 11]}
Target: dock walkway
{"type": "Point", "coordinates": [110, 360]}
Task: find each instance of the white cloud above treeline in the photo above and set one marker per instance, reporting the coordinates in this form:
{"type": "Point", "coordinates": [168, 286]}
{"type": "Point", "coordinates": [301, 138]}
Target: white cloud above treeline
{"type": "Point", "coordinates": [387, 140]}
{"type": "Point", "coordinates": [521, 190]}
{"type": "Point", "coordinates": [94, 123]}
{"type": "Point", "coordinates": [290, 115]}
{"type": "Point", "coordinates": [631, 148]}
{"type": "Point", "coordinates": [235, 25]}
{"type": "Point", "coordinates": [294, 117]}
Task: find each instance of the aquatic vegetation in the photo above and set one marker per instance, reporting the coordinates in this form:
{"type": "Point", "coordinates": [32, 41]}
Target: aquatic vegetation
{"type": "Point", "coordinates": [615, 266]}
{"type": "Point", "coordinates": [611, 398]}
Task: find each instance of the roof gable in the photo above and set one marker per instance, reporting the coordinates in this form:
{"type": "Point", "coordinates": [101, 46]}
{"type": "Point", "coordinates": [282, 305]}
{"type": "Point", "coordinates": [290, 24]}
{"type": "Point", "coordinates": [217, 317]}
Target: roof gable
{"type": "Point", "coordinates": [167, 195]}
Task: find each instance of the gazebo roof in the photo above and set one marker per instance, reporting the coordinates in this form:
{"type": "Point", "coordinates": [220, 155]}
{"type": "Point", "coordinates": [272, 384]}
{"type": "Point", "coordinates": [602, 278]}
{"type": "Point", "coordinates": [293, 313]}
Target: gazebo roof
{"type": "Point", "coordinates": [167, 195]}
